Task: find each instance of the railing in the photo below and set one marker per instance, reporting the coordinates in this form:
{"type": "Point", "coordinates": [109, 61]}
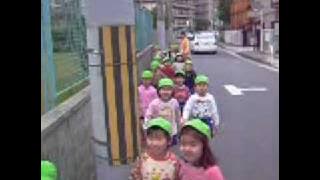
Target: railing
{"type": "Point", "coordinates": [64, 69]}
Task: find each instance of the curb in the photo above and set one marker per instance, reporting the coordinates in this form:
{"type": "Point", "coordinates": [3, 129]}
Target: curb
{"type": "Point", "coordinates": [250, 57]}
{"type": "Point", "coordinates": [257, 60]}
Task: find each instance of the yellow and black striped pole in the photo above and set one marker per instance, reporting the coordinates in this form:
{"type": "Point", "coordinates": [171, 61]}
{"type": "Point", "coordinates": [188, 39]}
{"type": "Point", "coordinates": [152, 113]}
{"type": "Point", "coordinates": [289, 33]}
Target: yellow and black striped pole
{"type": "Point", "coordinates": [120, 92]}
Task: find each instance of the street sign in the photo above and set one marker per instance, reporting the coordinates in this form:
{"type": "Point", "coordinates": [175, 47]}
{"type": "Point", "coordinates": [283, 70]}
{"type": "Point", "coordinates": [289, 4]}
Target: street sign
{"type": "Point", "coordinates": [235, 91]}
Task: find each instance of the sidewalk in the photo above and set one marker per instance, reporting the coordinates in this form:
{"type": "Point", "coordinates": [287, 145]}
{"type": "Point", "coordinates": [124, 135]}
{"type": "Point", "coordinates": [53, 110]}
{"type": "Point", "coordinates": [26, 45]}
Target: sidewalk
{"type": "Point", "coordinates": [248, 52]}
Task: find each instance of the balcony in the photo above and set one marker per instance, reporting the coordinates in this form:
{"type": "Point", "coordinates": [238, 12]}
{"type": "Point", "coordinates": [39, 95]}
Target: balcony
{"type": "Point", "coordinates": [182, 16]}
{"type": "Point", "coordinates": [183, 6]}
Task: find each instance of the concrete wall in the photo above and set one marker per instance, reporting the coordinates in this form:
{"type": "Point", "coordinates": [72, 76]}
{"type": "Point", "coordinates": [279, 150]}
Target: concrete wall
{"type": "Point", "coordinates": [144, 59]}
{"type": "Point", "coordinates": [66, 138]}
{"type": "Point", "coordinates": [234, 37]}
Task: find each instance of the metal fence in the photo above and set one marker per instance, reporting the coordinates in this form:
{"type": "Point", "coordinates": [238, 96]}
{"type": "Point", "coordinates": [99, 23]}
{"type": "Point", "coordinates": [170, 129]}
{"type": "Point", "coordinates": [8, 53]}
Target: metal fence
{"type": "Point", "coordinates": [64, 69]}
{"type": "Point", "coordinates": [144, 28]}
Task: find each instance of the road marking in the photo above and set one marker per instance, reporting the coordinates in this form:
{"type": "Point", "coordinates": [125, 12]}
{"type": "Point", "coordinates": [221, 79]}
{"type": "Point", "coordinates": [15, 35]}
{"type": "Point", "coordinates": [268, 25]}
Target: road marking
{"type": "Point", "coordinates": [235, 91]}
{"type": "Point", "coordinates": [254, 89]}
{"type": "Point", "coordinates": [250, 61]}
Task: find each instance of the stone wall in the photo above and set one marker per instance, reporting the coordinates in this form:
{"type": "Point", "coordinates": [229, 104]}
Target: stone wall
{"type": "Point", "coordinates": [66, 138]}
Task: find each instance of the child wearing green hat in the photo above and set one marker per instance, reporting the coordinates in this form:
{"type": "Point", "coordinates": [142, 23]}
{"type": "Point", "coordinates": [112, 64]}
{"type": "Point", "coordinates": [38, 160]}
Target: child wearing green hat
{"type": "Point", "coordinates": [157, 161]}
{"type": "Point", "coordinates": [178, 65]}
{"type": "Point", "coordinates": [198, 162]}
{"type": "Point", "coordinates": [157, 73]}
{"type": "Point", "coordinates": [190, 75]}
{"type": "Point", "coordinates": [165, 106]}
{"type": "Point", "coordinates": [167, 68]}
{"type": "Point", "coordinates": [48, 171]}
{"type": "Point", "coordinates": [202, 104]}
{"type": "Point", "coordinates": [181, 92]}
{"type": "Point", "coordinates": [147, 93]}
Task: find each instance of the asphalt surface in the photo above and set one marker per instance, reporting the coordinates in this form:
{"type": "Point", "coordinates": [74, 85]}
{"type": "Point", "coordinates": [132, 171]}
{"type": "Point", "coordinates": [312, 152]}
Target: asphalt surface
{"type": "Point", "coordinates": [248, 146]}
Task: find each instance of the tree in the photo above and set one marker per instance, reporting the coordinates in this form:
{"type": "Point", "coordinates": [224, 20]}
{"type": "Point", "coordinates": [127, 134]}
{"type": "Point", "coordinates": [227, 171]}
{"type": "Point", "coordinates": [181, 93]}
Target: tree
{"type": "Point", "coordinates": [224, 11]}
{"type": "Point", "coordinates": [154, 17]}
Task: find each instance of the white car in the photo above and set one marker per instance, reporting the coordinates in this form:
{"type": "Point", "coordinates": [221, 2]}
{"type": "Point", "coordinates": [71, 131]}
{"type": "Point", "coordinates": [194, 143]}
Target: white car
{"type": "Point", "coordinates": [204, 42]}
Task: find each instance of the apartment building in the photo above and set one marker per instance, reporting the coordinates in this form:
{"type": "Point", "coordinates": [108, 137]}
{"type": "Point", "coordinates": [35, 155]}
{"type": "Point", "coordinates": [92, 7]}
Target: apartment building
{"type": "Point", "coordinates": [148, 4]}
{"type": "Point", "coordinates": [206, 10]}
{"type": "Point", "coordinates": [183, 13]}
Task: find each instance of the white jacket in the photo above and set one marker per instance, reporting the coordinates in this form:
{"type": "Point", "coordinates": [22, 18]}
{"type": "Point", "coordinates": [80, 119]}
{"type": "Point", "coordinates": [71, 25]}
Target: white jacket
{"type": "Point", "coordinates": [198, 106]}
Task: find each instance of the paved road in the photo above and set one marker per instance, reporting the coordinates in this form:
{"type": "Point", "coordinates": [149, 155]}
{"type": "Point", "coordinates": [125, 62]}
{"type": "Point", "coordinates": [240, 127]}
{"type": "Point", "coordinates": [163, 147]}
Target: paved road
{"type": "Point", "coordinates": [248, 148]}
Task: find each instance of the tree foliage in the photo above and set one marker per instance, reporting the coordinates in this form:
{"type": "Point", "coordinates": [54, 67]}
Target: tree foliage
{"type": "Point", "coordinates": [224, 11]}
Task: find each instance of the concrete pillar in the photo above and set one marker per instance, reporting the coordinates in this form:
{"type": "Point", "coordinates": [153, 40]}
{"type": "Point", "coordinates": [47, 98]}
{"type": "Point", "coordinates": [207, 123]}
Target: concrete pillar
{"type": "Point", "coordinates": [161, 31]}
{"type": "Point", "coordinates": [113, 79]}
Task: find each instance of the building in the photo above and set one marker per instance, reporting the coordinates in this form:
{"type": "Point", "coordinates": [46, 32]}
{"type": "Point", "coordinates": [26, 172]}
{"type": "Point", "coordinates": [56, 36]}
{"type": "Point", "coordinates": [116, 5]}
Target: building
{"type": "Point", "coordinates": [183, 12]}
{"type": "Point", "coordinates": [148, 4]}
{"type": "Point", "coordinates": [206, 11]}
{"type": "Point", "coordinates": [239, 12]}
{"type": "Point", "coordinates": [246, 16]}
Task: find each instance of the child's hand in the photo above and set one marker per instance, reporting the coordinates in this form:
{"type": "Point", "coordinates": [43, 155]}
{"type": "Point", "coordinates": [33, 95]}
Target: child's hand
{"type": "Point", "coordinates": [182, 121]}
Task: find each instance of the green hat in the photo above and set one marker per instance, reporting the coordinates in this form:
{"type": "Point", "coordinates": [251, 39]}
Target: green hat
{"type": "Point", "coordinates": [180, 73]}
{"type": "Point", "coordinates": [48, 170]}
{"type": "Point", "coordinates": [202, 79]}
{"type": "Point", "coordinates": [200, 126]}
{"type": "Point", "coordinates": [157, 46]}
{"type": "Point", "coordinates": [188, 62]}
{"type": "Point", "coordinates": [157, 58]}
{"type": "Point", "coordinates": [166, 59]}
{"type": "Point", "coordinates": [161, 123]}
{"type": "Point", "coordinates": [147, 74]}
{"type": "Point", "coordinates": [174, 46]}
{"type": "Point", "coordinates": [165, 82]}
{"type": "Point", "coordinates": [154, 65]}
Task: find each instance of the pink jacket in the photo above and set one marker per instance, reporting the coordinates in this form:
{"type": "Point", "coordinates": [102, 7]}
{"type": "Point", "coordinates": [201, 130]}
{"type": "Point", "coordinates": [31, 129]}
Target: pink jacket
{"type": "Point", "coordinates": [168, 110]}
{"type": "Point", "coordinates": [189, 172]}
{"type": "Point", "coordinates": [146, 96]}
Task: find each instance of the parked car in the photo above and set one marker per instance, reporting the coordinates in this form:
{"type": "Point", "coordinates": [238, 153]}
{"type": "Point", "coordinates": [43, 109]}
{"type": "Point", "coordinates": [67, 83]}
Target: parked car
{"type": "Point", "coordinates": [204, 42]}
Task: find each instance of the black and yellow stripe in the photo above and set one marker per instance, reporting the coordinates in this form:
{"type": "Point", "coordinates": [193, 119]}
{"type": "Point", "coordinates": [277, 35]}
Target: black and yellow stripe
{"type": "Point", "coordinates": [120, 90]}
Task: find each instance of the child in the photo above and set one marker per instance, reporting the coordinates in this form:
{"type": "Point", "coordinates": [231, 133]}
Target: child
{"type": "Point", "coordinates": [48, 171]}
{"type": "Point", "coordinates": [178, 65]}
{"type": "Point", "coordinates": [202, 104]}
{"type": "Point", "coordinates": [157, 58]}
{"type": "Point", "coordinates": [147, 93]}
{"type": "Point", "coordinates": [180, 92]}
{"type": "Point", "coordinates": [157, 73]}
{"type": "Point", "coordinates": [198, 162]}
{"type": "Point", "coordinates": [167, 68]}
{"type": "Point", "coordinates": [165, 106]}
{"type": "Point", "coordinates": [157, 162]}
{"type": "Point", "coordinates": [190, 76]}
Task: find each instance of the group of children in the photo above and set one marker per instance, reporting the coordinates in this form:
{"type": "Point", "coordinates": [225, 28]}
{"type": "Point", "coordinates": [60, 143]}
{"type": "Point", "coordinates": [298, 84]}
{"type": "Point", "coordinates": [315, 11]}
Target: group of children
{"type": "Point", "coordinates": [176, 108]}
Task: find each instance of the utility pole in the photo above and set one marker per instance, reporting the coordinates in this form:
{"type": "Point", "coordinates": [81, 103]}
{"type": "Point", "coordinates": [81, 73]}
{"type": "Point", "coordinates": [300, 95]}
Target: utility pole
{"type": "Point", "coordinates": [161, 31]}
{"type": "Point", "coordinates": [170, 20]}
{"type": "Point", "coordinates": [261, 30]}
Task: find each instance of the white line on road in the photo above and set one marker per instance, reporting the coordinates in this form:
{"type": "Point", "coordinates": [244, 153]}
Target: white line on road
{"type": "Point", "coordinates": [254, 89]}
{"type": "Point", "coordinates": [250, 61]}
{"type": "Point", "coordinates": [235, 91]}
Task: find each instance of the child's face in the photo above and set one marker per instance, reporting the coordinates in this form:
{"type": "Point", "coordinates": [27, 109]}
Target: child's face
{"type": "Point", "coordinates": [147, 82]}
{"type": "Point", "coordinates": [202, 89]}
{"type": "Point", "coordinates": [157, 142]}
{"type": "Point", "coordinates": [179, 58]}
{"type": "Point", "coordinates": [188, 67]}
{"type": "Point", "coordinates": [179, 80]}
{"type": "Point", "coordinates": [167, 63]}
{"type": "Point", "coordinates": [165, 93]}
{"type": "Point", "coordinates": [191, 148]}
